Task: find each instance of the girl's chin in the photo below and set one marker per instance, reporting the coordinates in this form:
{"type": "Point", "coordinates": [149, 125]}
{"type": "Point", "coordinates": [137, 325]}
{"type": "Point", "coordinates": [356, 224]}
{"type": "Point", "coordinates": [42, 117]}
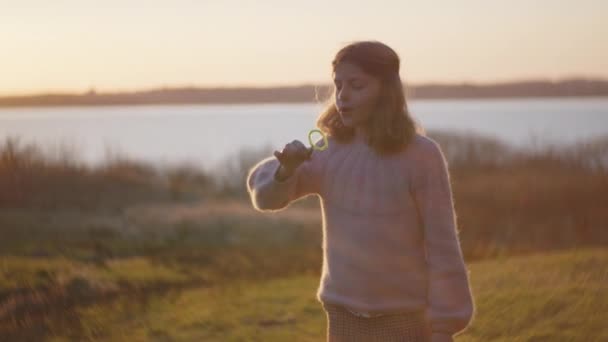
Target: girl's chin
{"type": "Point", "coordinates": [346, 121]}
{"type": "Point", "coordinates": [347, 124]}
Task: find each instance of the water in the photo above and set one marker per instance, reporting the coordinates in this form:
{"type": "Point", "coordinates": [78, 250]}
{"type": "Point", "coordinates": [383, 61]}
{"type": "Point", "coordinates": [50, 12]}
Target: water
{"type": "Point", "coordinates": [205, 135]}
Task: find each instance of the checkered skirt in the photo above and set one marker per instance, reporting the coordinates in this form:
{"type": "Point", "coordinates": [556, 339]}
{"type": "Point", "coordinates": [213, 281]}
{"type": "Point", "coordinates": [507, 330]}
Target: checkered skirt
{"type": "Point", "coordinates": [343, 325]}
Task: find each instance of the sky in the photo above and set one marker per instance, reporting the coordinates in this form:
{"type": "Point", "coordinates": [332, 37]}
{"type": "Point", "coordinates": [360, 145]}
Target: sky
{"type": "Point", "coordinates": [75, 46]}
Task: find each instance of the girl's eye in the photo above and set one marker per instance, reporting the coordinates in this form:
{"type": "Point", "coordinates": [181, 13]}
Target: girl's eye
{"type": "Point", "coordinates": [358, 86]}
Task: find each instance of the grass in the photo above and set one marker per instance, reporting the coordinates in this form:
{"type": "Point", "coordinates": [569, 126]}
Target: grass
{"type": "Point", "coordinates": [559, 296]}
{"type": "Point", "coordinates": [126, 251]}
{"type": "Point", "coordinates": [507, 201]}
{"type": "Point", "coordinates": [556, 296]}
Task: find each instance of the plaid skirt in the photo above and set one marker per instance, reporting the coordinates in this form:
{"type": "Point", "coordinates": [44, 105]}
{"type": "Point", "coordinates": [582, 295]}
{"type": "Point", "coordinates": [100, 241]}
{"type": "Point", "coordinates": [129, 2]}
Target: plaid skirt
{"type": "Point", "coordinates": [344, 325]}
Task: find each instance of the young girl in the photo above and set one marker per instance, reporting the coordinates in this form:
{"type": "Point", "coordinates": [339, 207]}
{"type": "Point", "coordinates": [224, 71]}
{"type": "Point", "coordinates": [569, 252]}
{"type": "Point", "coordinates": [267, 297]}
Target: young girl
{"type": "Point", "coordinates": [393, 268]}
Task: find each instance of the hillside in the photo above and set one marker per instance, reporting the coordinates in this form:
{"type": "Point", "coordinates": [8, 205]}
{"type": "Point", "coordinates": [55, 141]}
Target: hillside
{"type": "Point", "coordinates": [559, 296]}
{"type": "Point", "coordinates": [308, 93]}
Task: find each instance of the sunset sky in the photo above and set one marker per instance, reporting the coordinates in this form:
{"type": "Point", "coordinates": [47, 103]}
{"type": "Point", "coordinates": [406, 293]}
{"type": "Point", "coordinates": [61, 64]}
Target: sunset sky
{"type": "Point", "coordinates": [72, 46]}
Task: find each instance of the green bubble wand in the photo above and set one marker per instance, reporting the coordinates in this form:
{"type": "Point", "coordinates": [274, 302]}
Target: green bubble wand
{"type": "Point", "coordinates": [313, 146]}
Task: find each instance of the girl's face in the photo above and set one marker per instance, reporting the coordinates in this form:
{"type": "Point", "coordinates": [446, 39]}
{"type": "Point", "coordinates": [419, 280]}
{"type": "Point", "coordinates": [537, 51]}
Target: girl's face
{"type": "Point", "coordinates": [356, 94]}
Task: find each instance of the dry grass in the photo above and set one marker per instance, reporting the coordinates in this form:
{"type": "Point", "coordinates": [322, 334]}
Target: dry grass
{"type": "Point", "coordinates": [78, 231]}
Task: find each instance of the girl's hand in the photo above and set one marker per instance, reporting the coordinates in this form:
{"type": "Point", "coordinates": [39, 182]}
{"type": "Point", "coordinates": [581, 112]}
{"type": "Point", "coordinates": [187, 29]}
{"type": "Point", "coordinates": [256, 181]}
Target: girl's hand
{"type": "Point", "coordinates": [293, 154]}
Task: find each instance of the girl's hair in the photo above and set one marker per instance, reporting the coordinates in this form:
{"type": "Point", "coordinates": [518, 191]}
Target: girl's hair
{"type": "Point", "coordinates": [390, 127]}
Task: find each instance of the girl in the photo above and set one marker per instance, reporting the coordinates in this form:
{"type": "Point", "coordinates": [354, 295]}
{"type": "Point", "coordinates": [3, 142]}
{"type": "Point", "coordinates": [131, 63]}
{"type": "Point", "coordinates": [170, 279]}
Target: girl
{"type": "Point", "coordinates": [393, 268]}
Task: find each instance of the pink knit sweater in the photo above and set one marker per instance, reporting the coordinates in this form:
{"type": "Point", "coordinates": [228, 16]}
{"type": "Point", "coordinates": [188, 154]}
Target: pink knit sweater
{"type": "Point", "coordinates": [390, 239]}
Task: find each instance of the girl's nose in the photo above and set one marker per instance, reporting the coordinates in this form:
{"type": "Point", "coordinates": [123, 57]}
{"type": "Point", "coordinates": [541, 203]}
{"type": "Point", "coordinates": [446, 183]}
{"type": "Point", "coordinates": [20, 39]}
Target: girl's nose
{"type": "Point", "coordinates": [342, 95]}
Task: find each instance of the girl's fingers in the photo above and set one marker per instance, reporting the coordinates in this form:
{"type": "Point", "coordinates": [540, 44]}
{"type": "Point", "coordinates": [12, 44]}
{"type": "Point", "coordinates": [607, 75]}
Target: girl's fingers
{"type": "Point", "coordinates": [299, 144]}
{"type": "Point", "coordinates": [303, 152]}
{"type": "Point", "coordinates": [279, 156]}
{"type": "Point", "coordinates": [294, 153]}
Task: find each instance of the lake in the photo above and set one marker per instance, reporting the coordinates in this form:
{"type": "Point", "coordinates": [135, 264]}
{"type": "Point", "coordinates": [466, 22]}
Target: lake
{"type": "Point", "coordinates": [205, 135]}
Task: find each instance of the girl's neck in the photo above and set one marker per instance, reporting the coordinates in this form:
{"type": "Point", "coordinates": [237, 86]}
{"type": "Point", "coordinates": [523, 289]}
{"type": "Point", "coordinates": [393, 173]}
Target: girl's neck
{"type": "Point", "coordinates": [360, 134]}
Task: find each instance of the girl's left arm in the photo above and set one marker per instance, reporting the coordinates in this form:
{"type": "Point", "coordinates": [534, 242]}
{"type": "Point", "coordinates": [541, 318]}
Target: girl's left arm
{"type": "Point", "coordinates": [268, 193]}
{"type": "Point", "coordinates": [451, 305]}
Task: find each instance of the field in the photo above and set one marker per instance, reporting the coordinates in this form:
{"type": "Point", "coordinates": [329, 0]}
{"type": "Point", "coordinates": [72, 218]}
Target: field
{"type": "Point", "coordinates": [558, 296]}
{"type": "Point", "coordinates": [126, 252]}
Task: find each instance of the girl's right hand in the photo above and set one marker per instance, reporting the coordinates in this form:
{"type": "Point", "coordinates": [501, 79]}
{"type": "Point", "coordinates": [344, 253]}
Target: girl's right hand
{"type": "Point", "coordinates": [292, 155]}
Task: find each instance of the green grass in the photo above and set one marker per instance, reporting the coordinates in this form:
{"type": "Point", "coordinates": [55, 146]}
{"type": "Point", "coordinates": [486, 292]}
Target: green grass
{"type": "Point", "coordinates": [561, 296]}
{"type": "Point", "coordinates": [558, 296]}
{"type": "Point", "coordinates": [238, 275]}
{"type": "Point", "coordinates": [114, 251]}
{"type": "Point", "coordinates": [137, 272]}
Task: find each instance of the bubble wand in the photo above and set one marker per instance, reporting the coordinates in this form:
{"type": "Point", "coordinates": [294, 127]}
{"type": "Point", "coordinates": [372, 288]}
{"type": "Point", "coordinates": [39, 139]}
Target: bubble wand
{"type": "Point", "coordinates": [313, 146]}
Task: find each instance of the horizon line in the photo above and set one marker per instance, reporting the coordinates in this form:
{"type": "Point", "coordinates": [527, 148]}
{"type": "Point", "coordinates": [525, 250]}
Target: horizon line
{"type": "Point", "coordinates": [299, 85]}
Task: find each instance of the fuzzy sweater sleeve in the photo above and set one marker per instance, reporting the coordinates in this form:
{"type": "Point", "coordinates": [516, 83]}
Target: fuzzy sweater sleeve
{"type": "Point", "coordinates": [269, 194]}
{"type": "Point", "coordinates": [451, 305]}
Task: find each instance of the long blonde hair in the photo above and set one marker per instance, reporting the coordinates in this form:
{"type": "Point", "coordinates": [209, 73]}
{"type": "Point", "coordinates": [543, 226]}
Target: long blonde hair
{"type": "Point", "coordinates": [391, 126]}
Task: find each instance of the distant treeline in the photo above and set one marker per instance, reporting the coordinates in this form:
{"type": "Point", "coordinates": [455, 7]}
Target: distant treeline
{"type": "Point", "coordinates": [310, 93]}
